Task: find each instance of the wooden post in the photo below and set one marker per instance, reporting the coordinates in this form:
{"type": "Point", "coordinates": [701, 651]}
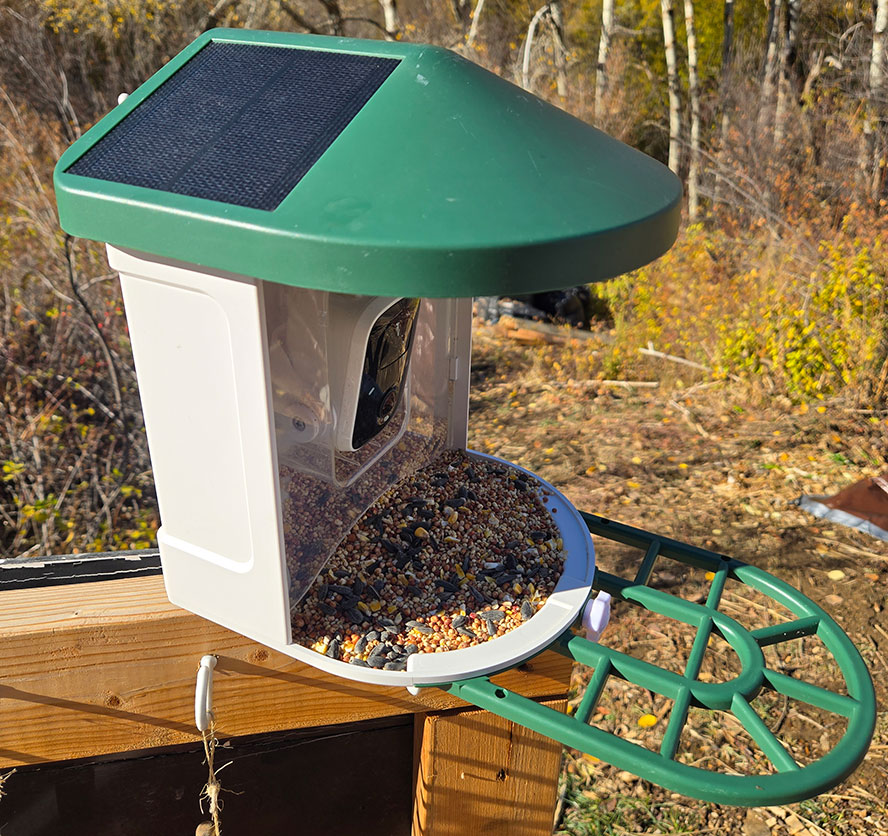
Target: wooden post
{"type": "Point", "coordinates": [480, 773]}
{"type": "Point", "coordinates": [90, 669]}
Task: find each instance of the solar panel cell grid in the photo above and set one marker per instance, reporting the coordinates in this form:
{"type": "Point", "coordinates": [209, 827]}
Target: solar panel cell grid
{"type": "Point", "coordinates": [239, 123]}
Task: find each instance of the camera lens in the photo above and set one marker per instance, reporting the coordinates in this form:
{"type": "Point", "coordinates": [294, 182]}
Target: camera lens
{"type": "Point", "coordinates": [387, 404]}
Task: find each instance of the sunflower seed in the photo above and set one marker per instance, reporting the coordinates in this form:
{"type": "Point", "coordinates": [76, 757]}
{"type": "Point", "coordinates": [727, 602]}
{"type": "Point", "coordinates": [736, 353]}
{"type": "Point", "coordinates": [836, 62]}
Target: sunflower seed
{"type": "Point", "coordinates": [348, 603]}
{"type": "Point", "coordinates": [458, 621]}
{"type": "Point", "coordinates": [492, 615]}
{"type": "Point", "coordinates": [447, 586]}
{"type": "Point", "coordinates": [359, 662]}
{"type": "Point", "coordinates": [467, 631]}
{"type": "Point", "coordinates": [491, 628]}
{"type": "Point", "coordinates": [361, 644]}
{"type": "Point", "coordinates": [410, 649]}
{"type": "Point", "coordinates": [322, 590]}
{"type": "Point", "coordinates": [326, 609]}
{"type": "Point", "coordinates": [355, 616]}
{"type": "Point", "coordinates": [395, 665]}
{"type": "Point", "coordinates": [333, 649]}
{"type": "Point", "coordinates": [527, 610]}
{"type": "Point", "coordinates": [376, 661]}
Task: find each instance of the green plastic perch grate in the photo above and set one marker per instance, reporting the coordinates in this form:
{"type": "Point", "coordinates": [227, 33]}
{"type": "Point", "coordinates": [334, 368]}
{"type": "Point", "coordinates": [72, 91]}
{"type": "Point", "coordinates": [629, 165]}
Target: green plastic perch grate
{"type": "Point", "coordinates": [790, 782]}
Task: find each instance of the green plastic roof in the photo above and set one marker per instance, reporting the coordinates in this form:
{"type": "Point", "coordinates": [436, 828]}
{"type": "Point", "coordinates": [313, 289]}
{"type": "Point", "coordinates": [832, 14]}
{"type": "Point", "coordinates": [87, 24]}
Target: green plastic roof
{"type": "Point", "coordinates": [449, 182]}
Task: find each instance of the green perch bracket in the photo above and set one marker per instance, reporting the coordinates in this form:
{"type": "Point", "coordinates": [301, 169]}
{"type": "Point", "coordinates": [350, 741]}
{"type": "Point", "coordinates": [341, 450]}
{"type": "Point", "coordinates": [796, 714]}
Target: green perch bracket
{"type": "Point", "coordinates": [790, 781]}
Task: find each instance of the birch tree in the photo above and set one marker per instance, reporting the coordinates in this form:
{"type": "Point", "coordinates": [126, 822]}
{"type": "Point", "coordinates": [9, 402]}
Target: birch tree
{"type": "Point", "coordinates": [787, 64]}
{"type": "Point", "coordinates": [667, 12]}
{"type": "Point", "coordinates": [725, 102]}
{"type": "Point", "coordinates": [726, 64]}
{"type": "Point", "coordinates": [559, 48]}
{"type": "Point", "coordinates": [528, 45]}
{"type": "Point", "coordinates": [694, 97]}
{"type": "Point", "coordinates": [476, 19]}
{"type": "Point", "coordinates": [769, 78]}
{"type": "Point", "coordinates": [872, 129]}
{"type": "Point", "coordinates": [391, 21]}
{"type": "Point", "coordinates": [604, 41]}
{"type": "Point", "coordinates": [549, 14]}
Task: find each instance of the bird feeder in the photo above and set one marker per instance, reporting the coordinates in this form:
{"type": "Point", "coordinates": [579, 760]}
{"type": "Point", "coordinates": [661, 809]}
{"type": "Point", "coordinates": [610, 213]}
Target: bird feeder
{"type": "Point", "coordinates": [299, 224]}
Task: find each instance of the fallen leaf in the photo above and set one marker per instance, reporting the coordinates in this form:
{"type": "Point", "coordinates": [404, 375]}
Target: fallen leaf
{"type": "Point", "coordinates": [835, 575]}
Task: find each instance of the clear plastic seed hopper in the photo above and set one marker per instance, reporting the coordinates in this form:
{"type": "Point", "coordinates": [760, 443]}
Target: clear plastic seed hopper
{"type": "Point", "coordinates": [300, 224]}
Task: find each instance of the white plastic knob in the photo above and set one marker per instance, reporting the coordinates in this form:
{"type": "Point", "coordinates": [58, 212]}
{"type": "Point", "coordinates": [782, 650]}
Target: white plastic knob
{"type": "Point", "coordinates": [596, 616]}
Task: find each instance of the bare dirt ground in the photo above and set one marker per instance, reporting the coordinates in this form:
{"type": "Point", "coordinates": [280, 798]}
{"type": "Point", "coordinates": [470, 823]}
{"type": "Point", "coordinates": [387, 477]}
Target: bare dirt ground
{"type": "Point", "coordinates": [709, 465]}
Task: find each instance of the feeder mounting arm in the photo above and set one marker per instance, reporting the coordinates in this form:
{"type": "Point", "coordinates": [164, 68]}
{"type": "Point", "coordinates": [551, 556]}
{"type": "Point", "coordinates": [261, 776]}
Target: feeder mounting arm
{"type": "Point", "coordinates": [790, 781]}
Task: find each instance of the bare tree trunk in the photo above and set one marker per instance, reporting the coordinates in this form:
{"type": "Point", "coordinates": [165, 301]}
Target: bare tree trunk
{"type": "Point", "coordinates": [473, 29]}
{"type": "Point", "coordinates": [255, 13]}
{"type": "Point", "coordinates": [461, 10]}
{"type": "Point", "coordinates": [607, 28]}
{"type": "Point", "coordinates": [787, 61]}
{"type": "Point", "coordinates": [875, 105]}
{"type": "Point", "coordinates": [775, 7]}
{"type": "Point", "coordinates": [727, 63]}
{"type": "Point", "coordinates": [667, 12]}
{"type": "Point", "coordinates": [334, 17]}
{"type": "Point", "coordinates": [556, 26]}
{"type": "Point", "coordinates": [528, 45]}
{"type": "Point", "coordinates": [694, 96]}
{"type": "Point", "coordinates": [725, 102]}
{"type": "Point", "coordinates": [391, 21]}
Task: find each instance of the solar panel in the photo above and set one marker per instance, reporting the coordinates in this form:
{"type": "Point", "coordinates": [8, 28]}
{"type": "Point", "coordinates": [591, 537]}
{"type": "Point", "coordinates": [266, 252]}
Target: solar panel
{"type": "Point", "coordinates": [239, 123]}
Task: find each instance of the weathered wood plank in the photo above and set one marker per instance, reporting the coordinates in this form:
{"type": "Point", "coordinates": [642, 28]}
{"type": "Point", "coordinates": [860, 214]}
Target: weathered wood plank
{"type": "Point", "coordinates": [97, 668]}
{"type": "Point", "coordinates": [480, 773]}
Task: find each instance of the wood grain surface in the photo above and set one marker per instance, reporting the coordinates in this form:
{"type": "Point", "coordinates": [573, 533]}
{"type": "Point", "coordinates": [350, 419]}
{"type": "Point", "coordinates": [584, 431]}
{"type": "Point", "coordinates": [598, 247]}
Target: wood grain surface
{"type": "Point", "coordinates": [480, 773]}
{"type": "Point", "coordinates": [95, 668]}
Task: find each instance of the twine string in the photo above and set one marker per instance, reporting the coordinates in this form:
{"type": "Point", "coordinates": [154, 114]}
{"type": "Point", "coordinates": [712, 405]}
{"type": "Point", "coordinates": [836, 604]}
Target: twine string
{"type": "Point", "coordinates": [3, 779]}
{"type": "Point", "coordinates": [213, 788]}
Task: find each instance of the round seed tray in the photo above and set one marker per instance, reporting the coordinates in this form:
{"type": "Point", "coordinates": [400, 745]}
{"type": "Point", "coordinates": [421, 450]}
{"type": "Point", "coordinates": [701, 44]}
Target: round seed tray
{"type": "Point", "coordinates": [534, 635]}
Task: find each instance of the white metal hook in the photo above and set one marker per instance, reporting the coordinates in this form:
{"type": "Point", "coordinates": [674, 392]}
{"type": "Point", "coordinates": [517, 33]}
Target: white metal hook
{"type": "Point", "coordinates": [203, 693]}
